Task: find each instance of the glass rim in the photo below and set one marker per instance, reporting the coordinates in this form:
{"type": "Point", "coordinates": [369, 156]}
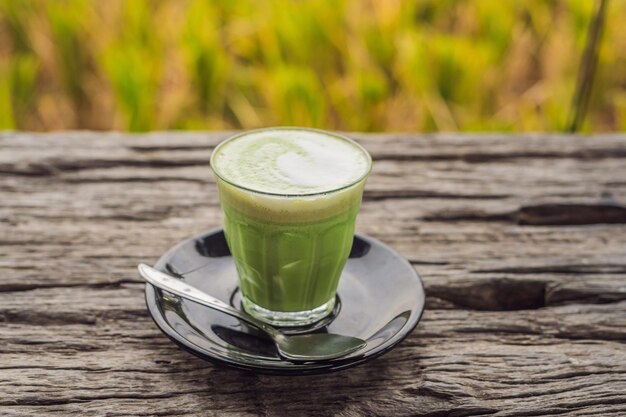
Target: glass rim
{"type": "Point", "coordinates": [307, 129]}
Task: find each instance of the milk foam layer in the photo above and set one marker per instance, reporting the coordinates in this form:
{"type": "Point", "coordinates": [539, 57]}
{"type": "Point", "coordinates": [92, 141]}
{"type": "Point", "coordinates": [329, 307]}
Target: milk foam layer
{"type": "Point", "coordinates": [290, 161]}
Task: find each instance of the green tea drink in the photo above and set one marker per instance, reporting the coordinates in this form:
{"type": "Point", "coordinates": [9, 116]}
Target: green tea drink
{"type": "Point", "coordinates": [290, 198]}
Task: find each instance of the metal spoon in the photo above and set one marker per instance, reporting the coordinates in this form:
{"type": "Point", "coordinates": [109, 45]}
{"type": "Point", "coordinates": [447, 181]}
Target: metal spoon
{"type": "Point", "coordinates": [297, 348]}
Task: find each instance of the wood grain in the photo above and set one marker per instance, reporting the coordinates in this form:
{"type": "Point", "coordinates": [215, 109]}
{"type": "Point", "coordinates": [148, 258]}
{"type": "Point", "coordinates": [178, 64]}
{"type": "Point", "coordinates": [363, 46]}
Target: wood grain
{"type": "Point", "coordinates": [520, 240]}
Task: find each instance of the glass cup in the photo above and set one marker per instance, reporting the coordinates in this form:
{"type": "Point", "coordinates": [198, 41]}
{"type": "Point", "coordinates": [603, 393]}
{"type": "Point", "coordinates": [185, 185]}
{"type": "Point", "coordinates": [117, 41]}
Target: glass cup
{"type": "Point", "coordinates": [289, 249]}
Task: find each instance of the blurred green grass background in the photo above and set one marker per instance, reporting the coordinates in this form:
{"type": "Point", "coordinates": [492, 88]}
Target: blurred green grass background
{"type": "Point", "coordinates": [386, 65]}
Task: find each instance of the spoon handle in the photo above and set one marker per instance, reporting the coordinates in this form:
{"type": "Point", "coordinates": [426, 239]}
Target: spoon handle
{"type": "Point", "coordinates": [176, 286]}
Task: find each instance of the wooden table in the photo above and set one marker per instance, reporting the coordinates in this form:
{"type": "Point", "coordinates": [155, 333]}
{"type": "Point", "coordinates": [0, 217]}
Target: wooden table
{"type": "Point", "coordinates": [520, 240]}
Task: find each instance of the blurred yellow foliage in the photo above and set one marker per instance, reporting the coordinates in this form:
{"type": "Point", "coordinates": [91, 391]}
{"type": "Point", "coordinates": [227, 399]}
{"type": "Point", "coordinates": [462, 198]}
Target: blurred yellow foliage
{"type": "Point", "coordinates": [386, 65]}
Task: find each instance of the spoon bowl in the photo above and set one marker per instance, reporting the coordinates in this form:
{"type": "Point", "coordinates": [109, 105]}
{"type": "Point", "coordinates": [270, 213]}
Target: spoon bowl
{"type": "Point", "coordinates": [295, 348]}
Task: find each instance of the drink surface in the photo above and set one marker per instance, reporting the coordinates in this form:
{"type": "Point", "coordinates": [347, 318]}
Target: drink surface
{"type": "Point", "coordinates": [290, 161]}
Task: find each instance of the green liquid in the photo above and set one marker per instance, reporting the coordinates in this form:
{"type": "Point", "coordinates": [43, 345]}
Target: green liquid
{"type": "Point", "coordinates": [290, 197]}
{"type": "Point", "coordinates": [290, 267]}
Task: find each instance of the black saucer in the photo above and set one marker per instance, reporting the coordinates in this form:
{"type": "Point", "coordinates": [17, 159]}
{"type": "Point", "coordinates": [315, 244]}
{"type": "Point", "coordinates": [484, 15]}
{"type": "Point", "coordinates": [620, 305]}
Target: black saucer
{"type": "Point", "coordinates": [381, 300]}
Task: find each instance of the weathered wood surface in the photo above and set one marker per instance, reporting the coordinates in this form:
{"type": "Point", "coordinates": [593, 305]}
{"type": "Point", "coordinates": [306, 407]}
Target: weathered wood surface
{"type": "Point", "coordinates": [521, 242]}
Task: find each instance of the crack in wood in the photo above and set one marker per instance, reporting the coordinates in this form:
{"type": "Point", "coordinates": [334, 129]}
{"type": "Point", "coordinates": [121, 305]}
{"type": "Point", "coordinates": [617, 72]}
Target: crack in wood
{"type": "Point", "coordinates": [170, 148]}
{"type": "Point", "coordinates": [547, 214]}
{"type": "Point", "coordinates": [19, 287]}
{"type": "Point", "coordinates": [53, 167]}
{"type": "Point", "coordinates": [377, 195]}
{"type": "Point", "coordinates": [583, 268]}
{"type": "Point", "coordinates": [508, 294]}
{"type": "Point", "coordinates": [570, 214]}
{"type": "Point", "coordinates": [130, 179]}
{"type": "Point", "coordinates": [461, 411]}
{"type": "Point", "coordinates": [39, 401]}
{"type": "Point", "coordinates": [502, 294]}
{"type": "Point", "coordinates": [44, 318]}
{"type": "Point", "coordinates": [486, 157]}
{"type": "Point", "coordinates": [557, 294]}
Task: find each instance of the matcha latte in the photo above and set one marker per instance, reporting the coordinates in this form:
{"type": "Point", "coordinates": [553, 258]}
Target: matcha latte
{"type": "Point", "coordinates": [290, 198]}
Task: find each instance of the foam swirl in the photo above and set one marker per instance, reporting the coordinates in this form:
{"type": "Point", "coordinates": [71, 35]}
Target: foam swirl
{"type": "Point", "coordinates": [290, 161]}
